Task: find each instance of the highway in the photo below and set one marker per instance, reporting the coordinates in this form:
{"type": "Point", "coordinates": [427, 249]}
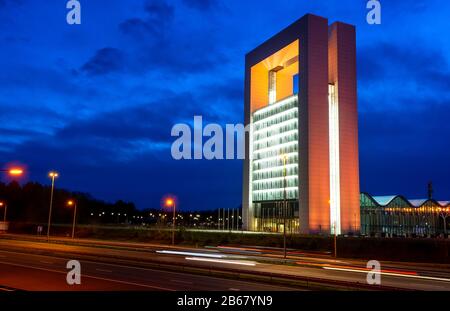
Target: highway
{"type": "Point", "coordinates": [32, 272]}
{"type": "Point", "coordinates": [108, 265]}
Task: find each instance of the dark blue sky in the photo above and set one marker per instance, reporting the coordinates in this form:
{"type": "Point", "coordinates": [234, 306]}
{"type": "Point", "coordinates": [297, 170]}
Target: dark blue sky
{"type": "Point", "coordinates": [97, 101]}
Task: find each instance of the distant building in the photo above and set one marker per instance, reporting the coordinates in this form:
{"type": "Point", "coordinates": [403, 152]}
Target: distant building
{"type": "Point", "coordinates": [397, 216]}
{"type": "Point", "coordinates": [302, 147]}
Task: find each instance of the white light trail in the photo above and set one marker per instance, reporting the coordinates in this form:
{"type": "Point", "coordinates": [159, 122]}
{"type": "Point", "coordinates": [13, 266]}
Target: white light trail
{"type": "Point", "coordinates": [232, 262]}
{"type": "Point", "coordinates": [192, 254]}
{"type": "Point", "coordinates": [390, 273]}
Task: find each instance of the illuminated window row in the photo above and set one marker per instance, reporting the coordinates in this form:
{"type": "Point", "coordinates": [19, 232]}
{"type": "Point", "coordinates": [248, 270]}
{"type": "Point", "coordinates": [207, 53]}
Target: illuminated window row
{"type": "Point", "coordinates": [275, 179]}
{"type": "Point", "coordinates": [276, 152]}
{"type": "Point", "coordinates": [275, 184]}
{"type": "Point", "coordinates": [279, 194]}
{"type": "Point", "coordinates": [278, 168]}
{"type": "Point", "coordinates": [276, 128]}
{"type": "Point", "coordinates": [281, 103]}
{"type": "Point", "coordinates": [276, 141]}
{"type": "Point", "coordinates": [275, 173]}
{"type": "Point", "coordinates": [288, 155]}
{"type": "Point", "coordinates": [274, 162]}
{"type": "Point", "coordinates": [276, 119]}
{"type": "Point", "coordinates": [279, 149]}
{"type": "Point", "coordinates": [276, 108]}
{"type": "Point", "coordinates": [263, 137]}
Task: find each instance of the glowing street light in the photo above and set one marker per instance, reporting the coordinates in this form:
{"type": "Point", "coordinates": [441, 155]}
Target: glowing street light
{"type": "Point", "coordinates": [71, 203]}
{"type": "Point", "coordinates": [170, 202]}
{"type": "Point", "coordinates": [53, 176]}
{"type": "Point", "coordinates": [13, 171]}
{"type": "Point", "coordinates": [3, 204]}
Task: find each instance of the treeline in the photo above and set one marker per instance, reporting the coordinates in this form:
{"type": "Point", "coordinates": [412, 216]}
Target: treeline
{"type": "Point", "coordinates": [30, 203]}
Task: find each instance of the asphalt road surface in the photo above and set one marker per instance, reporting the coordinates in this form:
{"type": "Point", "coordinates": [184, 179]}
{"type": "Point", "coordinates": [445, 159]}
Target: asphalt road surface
{"type": "Point", "coordinates": [48, 273]}
{"type": "Point", "coordinates": [21, 270]}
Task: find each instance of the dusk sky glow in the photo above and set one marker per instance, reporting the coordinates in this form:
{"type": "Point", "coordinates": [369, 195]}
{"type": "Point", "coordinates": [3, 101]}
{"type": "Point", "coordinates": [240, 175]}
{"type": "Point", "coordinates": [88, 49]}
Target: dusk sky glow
{"type": "Point", "coordinates": [97, 101]}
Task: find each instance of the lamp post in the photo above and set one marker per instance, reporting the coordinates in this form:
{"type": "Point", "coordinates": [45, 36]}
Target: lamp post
{"type": "Point", "coordinates": [335, 240]}
{"type": "Point", "coordinates": [444, 214]}
{"type": "Point", "coordinates": [284, 205]}
{"type": "Point", "coordinates": [171, 203]}
{"type": "Point", "coordinates": [3, 204]}
{"type": "Point", "coordinates": [53, 176]}
{"type": "Point", "coordinates": [15, 172]}
{"type": "Point", "coordinates": [74, 204]}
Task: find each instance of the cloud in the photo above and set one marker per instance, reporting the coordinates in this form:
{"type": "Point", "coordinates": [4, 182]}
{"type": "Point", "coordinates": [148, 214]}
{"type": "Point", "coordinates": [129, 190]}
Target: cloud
{"type": "Point", "coordinates": [138, 27]}
{"type": "Point", "coordinates": [201, 5]}
{"type": "Point", "coordinates": [159, 10]}
{"type": "Point", "coordinates": [159, 43]}
{"type": "Point", "coordinates": [126, 154]}
{"type": "Point", "coordinates": [401, 150]}
{"type": "Point", "coordinates": [106, 60]}
{"type": "Point", "coordinates": [159, 16]}
{"type": "Point", "coordinates": [148, 122]}
{"type": "Point", "coordinates": [387, 60]}
{"type": "Point", "coordinates": [6, 3]}
{"type": "Point", "coordinates": [388, 72]}
{"type": "Point", "coordinates": [106, 124]}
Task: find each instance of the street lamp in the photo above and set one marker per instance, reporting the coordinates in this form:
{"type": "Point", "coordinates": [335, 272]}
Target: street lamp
{"type": "Point", "coordinates": [444, 214]}
{"type": "Point", "coordinates": [71, 203]}
{"type": "Point", "coordinates": [284, 204]}
{"type": "Point", "coordinates": [335, 240]}
{"type": "Point", "coordinates": [3, 204]}
{"type": "Point", "coordinates": [171, 203]}
{"type": "Point", "coordinates": [53, 176]}
{"type": "Point", "coordinates": [13, 171]}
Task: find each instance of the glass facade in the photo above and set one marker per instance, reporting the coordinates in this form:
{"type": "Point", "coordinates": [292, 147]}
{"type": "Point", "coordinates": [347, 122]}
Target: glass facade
{"type": "Point", "coordinates": [270, 216]}
{"type": "Point", "coordinates": [274, 136]}
{"type": "Point", "coordinates": [397, 216]}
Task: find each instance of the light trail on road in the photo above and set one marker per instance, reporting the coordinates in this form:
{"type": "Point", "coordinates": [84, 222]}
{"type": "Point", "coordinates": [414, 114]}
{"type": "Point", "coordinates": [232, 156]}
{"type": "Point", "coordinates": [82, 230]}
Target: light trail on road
{"type": "Point", "coordinates": [406, 275]}
{"type": "Point", "coordinates": [242, 263]}
{"type": "Point", "coordinates": [191, 254]}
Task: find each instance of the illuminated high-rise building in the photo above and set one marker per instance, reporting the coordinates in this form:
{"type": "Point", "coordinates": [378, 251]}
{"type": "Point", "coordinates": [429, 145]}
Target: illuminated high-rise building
{"type": "Point", "coordinates": [301, 169]}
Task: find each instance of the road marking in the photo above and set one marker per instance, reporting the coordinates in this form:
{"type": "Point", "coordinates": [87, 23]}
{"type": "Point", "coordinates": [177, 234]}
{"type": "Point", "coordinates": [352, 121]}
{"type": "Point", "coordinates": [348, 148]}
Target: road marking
{"type": "Point", "coordinates": [233, 262]}
{"type": "Point", "coordinates": [90, 277]}
{"type": "Point", "coordinates": [390, 274]}
{"type": "Point", "coordinates": [104, 270]}
{"type": "Point", "coordinates": [179, 281]}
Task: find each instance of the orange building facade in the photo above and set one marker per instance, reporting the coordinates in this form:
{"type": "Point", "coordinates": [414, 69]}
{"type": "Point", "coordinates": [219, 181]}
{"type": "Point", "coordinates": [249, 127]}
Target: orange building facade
{"type": "Point", "coordinates": [301, 171]}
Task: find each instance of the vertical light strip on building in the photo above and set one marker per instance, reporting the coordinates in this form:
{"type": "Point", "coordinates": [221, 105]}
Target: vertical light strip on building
{"type": "Point", "coordinates": [250, 210]}
{"type": "Point", "coordinates": [335, 197]}
{"type": "Point", "coordinates": [272, 87]}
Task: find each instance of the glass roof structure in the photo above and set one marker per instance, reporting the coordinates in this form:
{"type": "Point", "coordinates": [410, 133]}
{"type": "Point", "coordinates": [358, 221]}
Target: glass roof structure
{"type": "Point", "coordinates": [387, 200]}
